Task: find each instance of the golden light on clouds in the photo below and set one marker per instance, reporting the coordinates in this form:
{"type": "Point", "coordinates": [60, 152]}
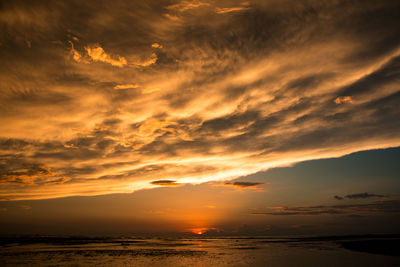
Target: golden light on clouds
{"type": "Point", "coordinates": [182, 6]}
{"type": "Point", "coordinates": [125, 86]}
{"type": "Point", "coordinates": [75, 54]}
{"type": "Point", "coordinates": [189, 92]}
{"type": "Point", "coordinates": [231, 9]}
{"type": "Point", "coordinates": [156, 45]}
{"type": "Point", "coordinates": [343, 99]}
{"type": "Point", "coordinates": [97, 53]}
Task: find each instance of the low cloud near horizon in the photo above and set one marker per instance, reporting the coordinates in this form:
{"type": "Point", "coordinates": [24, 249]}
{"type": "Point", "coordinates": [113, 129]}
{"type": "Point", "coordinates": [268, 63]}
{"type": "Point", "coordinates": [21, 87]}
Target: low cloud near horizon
{"type": "Point", "coordinates": [365, 209]}
{"type": "Point", "coordinates": [358, 196]}
{"type": "Point", "coordinates": [113, 97]}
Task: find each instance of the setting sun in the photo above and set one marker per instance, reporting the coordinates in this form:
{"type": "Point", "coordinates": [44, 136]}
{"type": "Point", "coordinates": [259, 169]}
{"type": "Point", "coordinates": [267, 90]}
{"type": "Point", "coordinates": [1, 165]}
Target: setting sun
{"type": "Point", "coordinates": [200, 231]}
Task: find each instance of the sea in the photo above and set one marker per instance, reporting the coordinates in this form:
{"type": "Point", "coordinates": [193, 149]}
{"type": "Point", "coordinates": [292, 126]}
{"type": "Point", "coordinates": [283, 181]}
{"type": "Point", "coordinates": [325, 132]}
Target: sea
{"type": "Point", "coordinates": [378, 250]}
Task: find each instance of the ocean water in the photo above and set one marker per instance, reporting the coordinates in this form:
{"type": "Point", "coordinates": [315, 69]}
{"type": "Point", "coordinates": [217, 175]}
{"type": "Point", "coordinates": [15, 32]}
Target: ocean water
{"type": "Point", "coordinates": [200, 251]}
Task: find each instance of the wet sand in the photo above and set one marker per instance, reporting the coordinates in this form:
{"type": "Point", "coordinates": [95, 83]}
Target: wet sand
{"type": "Point", "coordinates": [200, 251]}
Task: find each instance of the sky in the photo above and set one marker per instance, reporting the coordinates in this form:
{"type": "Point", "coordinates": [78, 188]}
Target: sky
{"type": "Point", "coordinates": [221, 116]}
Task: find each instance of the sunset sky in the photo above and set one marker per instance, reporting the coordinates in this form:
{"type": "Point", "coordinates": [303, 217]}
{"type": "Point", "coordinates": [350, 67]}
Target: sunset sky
{"type": "Point", "coordinates": [253, 117]}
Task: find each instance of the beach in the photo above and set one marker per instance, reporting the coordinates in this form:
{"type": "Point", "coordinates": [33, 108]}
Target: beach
{"type": "Point", "coordinates": [200, 251]}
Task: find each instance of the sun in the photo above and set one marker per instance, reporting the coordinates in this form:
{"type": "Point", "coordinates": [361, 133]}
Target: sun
{"type": "Point", "coordinates": [200, 231]}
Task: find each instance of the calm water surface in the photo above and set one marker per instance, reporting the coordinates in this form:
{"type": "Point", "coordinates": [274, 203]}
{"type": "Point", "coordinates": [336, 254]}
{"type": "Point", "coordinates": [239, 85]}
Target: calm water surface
{"type": "Point", "coordinates": [232, 251]}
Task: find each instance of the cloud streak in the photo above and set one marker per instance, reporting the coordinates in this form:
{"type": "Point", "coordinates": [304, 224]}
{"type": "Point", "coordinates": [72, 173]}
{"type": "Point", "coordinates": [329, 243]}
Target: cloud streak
{"type": "Point", "coordinates": [385, 206]}
{"type": "Point", "coordinates": [231, 9]}
{"type": "Point", "coordinates": [245, 184]}
{"type": "Point", "coordinates": [165, 183]}
{"type": "Point", "coordinates": [358, 196]}
{"type": "Point", "coordinates": [125, 86]}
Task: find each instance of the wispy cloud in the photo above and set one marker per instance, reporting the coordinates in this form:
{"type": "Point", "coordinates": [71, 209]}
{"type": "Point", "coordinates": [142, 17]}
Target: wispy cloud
{"type": "Point", "coordinates": [230, 9]}
{"type": "Point", "coordinates": [17, 172]}
{"type": "Point", "coordinates": [362, 195]}
{"type": "Point", "coordinates": [75, 54]}
{"type": "Point", "coordinates": [245, 184]}
{"type": "Point", "coordinates": [147, 62]}
{"type": "Point", "coordinates": [358, 196]}
{"type": "Point", "coordinates": [385, 206]}
{"type": "Point", "coordinates": [187, 5]}
{"type": "Point", "coordinates": [125, 86]}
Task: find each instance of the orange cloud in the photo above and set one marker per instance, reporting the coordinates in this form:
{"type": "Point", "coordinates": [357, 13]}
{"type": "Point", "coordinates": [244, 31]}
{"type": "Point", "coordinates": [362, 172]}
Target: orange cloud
{"type": "Point", "coordinates": [187, 5]}
{"type": "Point", "coordinates": [75, 54]}
{"type": "Point", "coordinates": [70, 146]}
{"type": "Point", "coordinates": [125, 86]}
{"type": "Point", "coordinates": [343, 99]}
{"type": "Point", "coordinates": [156, 45]}
{"type": "Point", "coordinates": [97, 53]}
{"type": "Point", "coordinates": [147, 62]}
{"type": "Point", "coordinates": [150, 90]}
{"type": "Point", "coordinates": [230, 9]}
{"type": "Point", "coordinates": [225, 96]}
{"type": "Point", "coordinates": [172, 17]}
{"type": "Point", "coordinates": [26, 175]}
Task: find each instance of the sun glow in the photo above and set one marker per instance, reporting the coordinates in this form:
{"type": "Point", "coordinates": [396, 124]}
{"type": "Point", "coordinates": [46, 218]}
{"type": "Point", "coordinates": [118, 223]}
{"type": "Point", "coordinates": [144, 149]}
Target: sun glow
{"type": "Point", "coordinates": [200, 231]}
